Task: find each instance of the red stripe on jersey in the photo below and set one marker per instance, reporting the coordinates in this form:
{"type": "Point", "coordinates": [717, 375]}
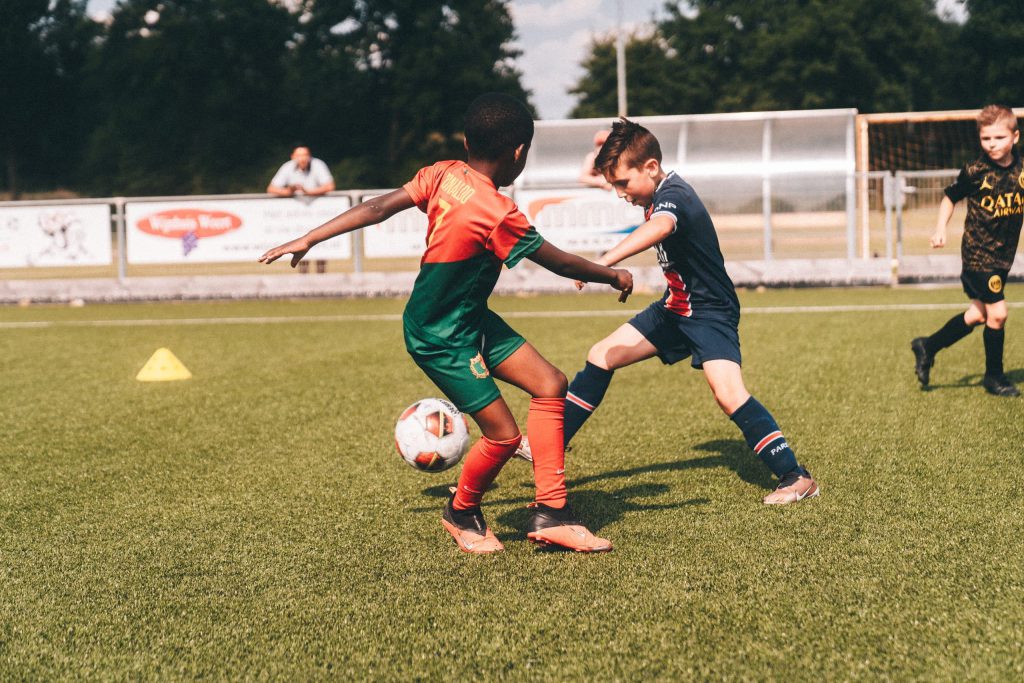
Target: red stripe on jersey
{"type": "Point", "coordinates": [767, 440]}
{"type": "Point", "coordinates": [678, 298]}
{"type": "Point", "coordinates": [580, 402]}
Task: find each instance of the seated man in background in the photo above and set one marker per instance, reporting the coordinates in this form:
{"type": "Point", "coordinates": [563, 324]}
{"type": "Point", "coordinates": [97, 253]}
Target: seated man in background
{"type": "Point", "coordinates": [303, 175]}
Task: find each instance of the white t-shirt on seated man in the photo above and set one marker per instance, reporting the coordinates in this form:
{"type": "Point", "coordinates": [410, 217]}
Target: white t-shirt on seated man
{"type": "Point", "coordinates": [302, 175]}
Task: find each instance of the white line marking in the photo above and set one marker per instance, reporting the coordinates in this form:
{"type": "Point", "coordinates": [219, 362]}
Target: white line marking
{"type": "Point", "coordinates": [395, 317]}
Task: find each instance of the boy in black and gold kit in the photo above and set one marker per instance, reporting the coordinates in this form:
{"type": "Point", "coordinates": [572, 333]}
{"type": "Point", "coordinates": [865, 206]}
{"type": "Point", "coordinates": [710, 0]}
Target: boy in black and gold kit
{"type": "Point", "coordinates": [994, 188]}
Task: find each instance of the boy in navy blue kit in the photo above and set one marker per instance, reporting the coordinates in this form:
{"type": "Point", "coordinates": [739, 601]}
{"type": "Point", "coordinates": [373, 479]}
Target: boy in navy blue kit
{"type": "Point", "coordinates": [994, 188]}
{"type": "Point", "coordinates": [697, 317]}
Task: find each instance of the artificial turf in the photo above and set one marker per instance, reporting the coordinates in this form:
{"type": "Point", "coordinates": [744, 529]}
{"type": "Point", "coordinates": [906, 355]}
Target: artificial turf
{"type": "Point", "coordinates": [256, 522]}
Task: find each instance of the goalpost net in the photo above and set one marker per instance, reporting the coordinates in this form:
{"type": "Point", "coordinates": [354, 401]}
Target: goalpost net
{"type": "Point", "coordinates": [925, 150]}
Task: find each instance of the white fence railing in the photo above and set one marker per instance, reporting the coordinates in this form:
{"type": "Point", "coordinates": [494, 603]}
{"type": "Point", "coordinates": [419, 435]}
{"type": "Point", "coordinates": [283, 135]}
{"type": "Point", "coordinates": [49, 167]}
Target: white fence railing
{"type": "Point", "coordinates": [174, 232]}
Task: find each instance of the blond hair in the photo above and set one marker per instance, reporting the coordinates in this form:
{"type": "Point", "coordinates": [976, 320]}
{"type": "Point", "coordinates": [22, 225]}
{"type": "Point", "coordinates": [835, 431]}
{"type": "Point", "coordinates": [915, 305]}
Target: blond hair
{"type": "Point", "coordinates": [997, 113]}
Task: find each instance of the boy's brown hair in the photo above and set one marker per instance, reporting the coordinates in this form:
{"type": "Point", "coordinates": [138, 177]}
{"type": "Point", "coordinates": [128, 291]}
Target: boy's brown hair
{"type": "Point", "coordinates": [630, 142]}
{"type": "Point", "coordinates": [997, 113]}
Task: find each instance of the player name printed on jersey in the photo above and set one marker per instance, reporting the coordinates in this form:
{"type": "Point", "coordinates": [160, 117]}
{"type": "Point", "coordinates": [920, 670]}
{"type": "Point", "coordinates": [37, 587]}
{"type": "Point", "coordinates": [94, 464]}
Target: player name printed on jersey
{"type": "Point", "coordinates": [456, 189]}
{"type": "Point", "coordinates": [223, 230]}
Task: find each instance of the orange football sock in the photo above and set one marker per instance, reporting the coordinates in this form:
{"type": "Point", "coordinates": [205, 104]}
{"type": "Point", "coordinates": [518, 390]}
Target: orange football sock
{"type": "Point", "coordinates": [546, 425]}
{"type": "Point", "coordinates": [483, 462]}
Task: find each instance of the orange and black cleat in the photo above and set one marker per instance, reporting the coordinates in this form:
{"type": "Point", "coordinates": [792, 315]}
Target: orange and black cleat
{"type": "Point", "coordinates": [469, 529]}
{"type": "Point", "coordinates": [559, 527]}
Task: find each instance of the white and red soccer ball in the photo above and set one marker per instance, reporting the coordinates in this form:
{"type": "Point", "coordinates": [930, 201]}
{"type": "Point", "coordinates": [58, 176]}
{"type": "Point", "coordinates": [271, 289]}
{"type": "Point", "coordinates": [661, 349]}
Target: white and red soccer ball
{"type": "Point", "coordinates": [432, 435]}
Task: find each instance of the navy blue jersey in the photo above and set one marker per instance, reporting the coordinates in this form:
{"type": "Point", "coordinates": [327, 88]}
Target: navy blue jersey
{"type": "Point", "coordinates": [690, 257]}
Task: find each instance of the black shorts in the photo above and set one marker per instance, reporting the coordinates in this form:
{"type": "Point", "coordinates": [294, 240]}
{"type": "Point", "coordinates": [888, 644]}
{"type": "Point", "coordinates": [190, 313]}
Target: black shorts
{"type": "Point", "coordinates": [677, 337]}
{"type": "Point", "coordinates": [985, 286]}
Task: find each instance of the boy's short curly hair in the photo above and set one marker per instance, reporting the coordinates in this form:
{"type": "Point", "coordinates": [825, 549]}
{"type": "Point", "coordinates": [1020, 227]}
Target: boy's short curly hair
{"type": "Point", "coordinates": [997, 113]}
{"type": "Point", "coordinates": [629, 142]}
{"type": "Point", "coordinates": [495, 124]}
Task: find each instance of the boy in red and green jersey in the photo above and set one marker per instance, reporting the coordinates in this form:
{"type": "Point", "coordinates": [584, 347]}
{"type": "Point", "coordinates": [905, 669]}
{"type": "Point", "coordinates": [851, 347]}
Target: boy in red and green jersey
{"type": "Point", "coordinates": [473, 230]}
{"type": "Point", "coordinates": [458, 341]}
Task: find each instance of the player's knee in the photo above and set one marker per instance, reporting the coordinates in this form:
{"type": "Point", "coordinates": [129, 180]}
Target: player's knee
{"type": "Point", "coordinates": [730, 399]}
{"type": "Point", "coordinates": [996, 320]}
{"type": "Point", "coordinates": [599, 355]}
{"type": "Point", "coordinates": [554, 385]}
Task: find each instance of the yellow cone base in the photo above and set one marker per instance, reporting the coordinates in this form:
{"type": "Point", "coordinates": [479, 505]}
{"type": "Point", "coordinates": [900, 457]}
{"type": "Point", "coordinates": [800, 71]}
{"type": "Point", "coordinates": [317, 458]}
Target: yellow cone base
{"type": "Point", "coordinates": [163, 366]}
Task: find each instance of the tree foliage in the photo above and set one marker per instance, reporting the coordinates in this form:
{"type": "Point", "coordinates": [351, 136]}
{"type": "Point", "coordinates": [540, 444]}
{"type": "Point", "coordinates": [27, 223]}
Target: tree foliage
{"type": "Point", "coordinates": [993, 67]}
{"type": "Point", "coordinates": [875, 55]}
{"type": "Point", "coordinates": [43, 46]}
{"type": "Point", "coordinates": [205, 96]}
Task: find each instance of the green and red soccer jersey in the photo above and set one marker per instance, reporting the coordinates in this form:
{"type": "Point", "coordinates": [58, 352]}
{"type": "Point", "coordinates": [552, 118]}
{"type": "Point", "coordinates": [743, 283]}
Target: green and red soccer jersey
{"type": "Point", "coordinates": [473, 230]}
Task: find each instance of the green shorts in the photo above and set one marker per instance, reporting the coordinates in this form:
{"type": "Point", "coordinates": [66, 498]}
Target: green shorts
{"type": "Point", "coordinates": [463, 373]}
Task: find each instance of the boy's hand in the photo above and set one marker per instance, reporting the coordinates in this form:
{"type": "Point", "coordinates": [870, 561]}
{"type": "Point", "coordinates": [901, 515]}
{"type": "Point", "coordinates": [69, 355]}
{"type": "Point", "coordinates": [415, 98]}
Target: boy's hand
{"type": "Point", "coordinates": [297, 248]}
{"type": "Point", "coordinates": [938, 239]}
{"type": "Point", "coordinates": [623, 283]}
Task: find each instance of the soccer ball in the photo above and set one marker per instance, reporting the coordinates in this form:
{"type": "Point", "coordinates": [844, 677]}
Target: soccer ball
{"type": "Point", "coordinates": [432, 435]}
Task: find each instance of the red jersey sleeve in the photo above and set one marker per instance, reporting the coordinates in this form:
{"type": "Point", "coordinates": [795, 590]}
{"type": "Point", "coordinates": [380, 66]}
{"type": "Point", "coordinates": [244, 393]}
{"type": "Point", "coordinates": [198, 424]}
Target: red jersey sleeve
{"type": "Point", "coordinates": [514, 238]}
{"type": "Point", "coordinates": [421, 187]}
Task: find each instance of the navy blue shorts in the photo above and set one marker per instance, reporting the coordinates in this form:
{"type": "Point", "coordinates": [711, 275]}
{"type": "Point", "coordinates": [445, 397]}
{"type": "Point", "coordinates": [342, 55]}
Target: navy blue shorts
{"type": "Point", "coordinates": [678, 338]}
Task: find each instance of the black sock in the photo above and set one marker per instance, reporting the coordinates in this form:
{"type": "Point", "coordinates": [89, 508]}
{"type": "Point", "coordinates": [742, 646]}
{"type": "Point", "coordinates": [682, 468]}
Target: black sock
{"type": "Point", "coordinates": [764, 437]}
{"type": "Point", "coordinates": [950, 333]}
{"type": "Point", "coordinates": [585, 394]}
{"type": "Point", "coordinates": [994, 351]}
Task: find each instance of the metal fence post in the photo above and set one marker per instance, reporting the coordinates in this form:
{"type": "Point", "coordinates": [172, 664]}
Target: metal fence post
{"type": "Point", "coordinates": [888, 201]}
{"type": "Point", "coordinates": [851, 216]}
{"type": "Point", "coordinates": [766, 188]}
{"type": "Point", "coordinates": [355, 198]}
{"type": "Point", "coordinates": [899, 191]}
{"type": "Point", "coordinates": [122, 250]}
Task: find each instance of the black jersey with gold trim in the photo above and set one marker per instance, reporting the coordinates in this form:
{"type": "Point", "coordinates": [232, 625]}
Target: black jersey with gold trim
{"type": "Point", "coordinates": [995, 209]}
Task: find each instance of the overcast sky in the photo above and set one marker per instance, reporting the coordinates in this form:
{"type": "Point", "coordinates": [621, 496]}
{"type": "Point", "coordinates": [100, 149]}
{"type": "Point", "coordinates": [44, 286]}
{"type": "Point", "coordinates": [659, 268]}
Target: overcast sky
{"type": "Point", "coordinates": [553, 36]}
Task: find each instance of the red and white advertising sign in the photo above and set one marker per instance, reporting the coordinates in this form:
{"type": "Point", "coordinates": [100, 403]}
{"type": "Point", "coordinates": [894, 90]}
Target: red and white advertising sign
{"type": "Point", "coordinates": [584, 219]}
{"type": "Point", "coordinates": [219, 230]}
{"type": "Point", "coordinates": [55, 235]}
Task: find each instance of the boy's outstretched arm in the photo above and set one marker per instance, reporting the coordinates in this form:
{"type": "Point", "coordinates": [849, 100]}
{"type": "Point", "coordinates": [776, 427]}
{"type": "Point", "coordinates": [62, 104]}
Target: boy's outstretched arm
{"type": "Point", "coordinates": [369, 212]}
{"type": "Point", "coordinates": [578, 268]}
{"type": "Point", "coordinates": [641, 239]}
{"type": "Point", "coordinates": [644, 237]}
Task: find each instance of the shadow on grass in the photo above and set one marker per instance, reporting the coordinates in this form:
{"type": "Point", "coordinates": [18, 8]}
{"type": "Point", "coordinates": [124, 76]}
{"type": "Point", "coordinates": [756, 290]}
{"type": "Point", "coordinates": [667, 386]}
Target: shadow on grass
{"type": "Point", "coordinates": [974, 381]}
{"type": "Point", "coordinates": [598, 509]}
{"type": "Point", "coordinates": [731, 453]}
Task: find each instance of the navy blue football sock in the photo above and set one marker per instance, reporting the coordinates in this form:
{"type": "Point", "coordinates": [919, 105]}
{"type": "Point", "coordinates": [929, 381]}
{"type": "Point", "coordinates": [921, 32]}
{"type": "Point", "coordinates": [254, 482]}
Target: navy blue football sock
{"type": "Point", "coordinates": [585, 394]}
{"type": "Point", "coordinates": [764, 437]}
{"type": "Point", "coordinates": [994, 351]}
{"type": "Point", "coordinates": [953, 331]}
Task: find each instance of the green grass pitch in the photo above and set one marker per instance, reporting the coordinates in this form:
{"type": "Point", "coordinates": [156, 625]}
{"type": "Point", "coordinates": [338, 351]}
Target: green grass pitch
{"type": "Point", "coordinates": [255, 522]}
